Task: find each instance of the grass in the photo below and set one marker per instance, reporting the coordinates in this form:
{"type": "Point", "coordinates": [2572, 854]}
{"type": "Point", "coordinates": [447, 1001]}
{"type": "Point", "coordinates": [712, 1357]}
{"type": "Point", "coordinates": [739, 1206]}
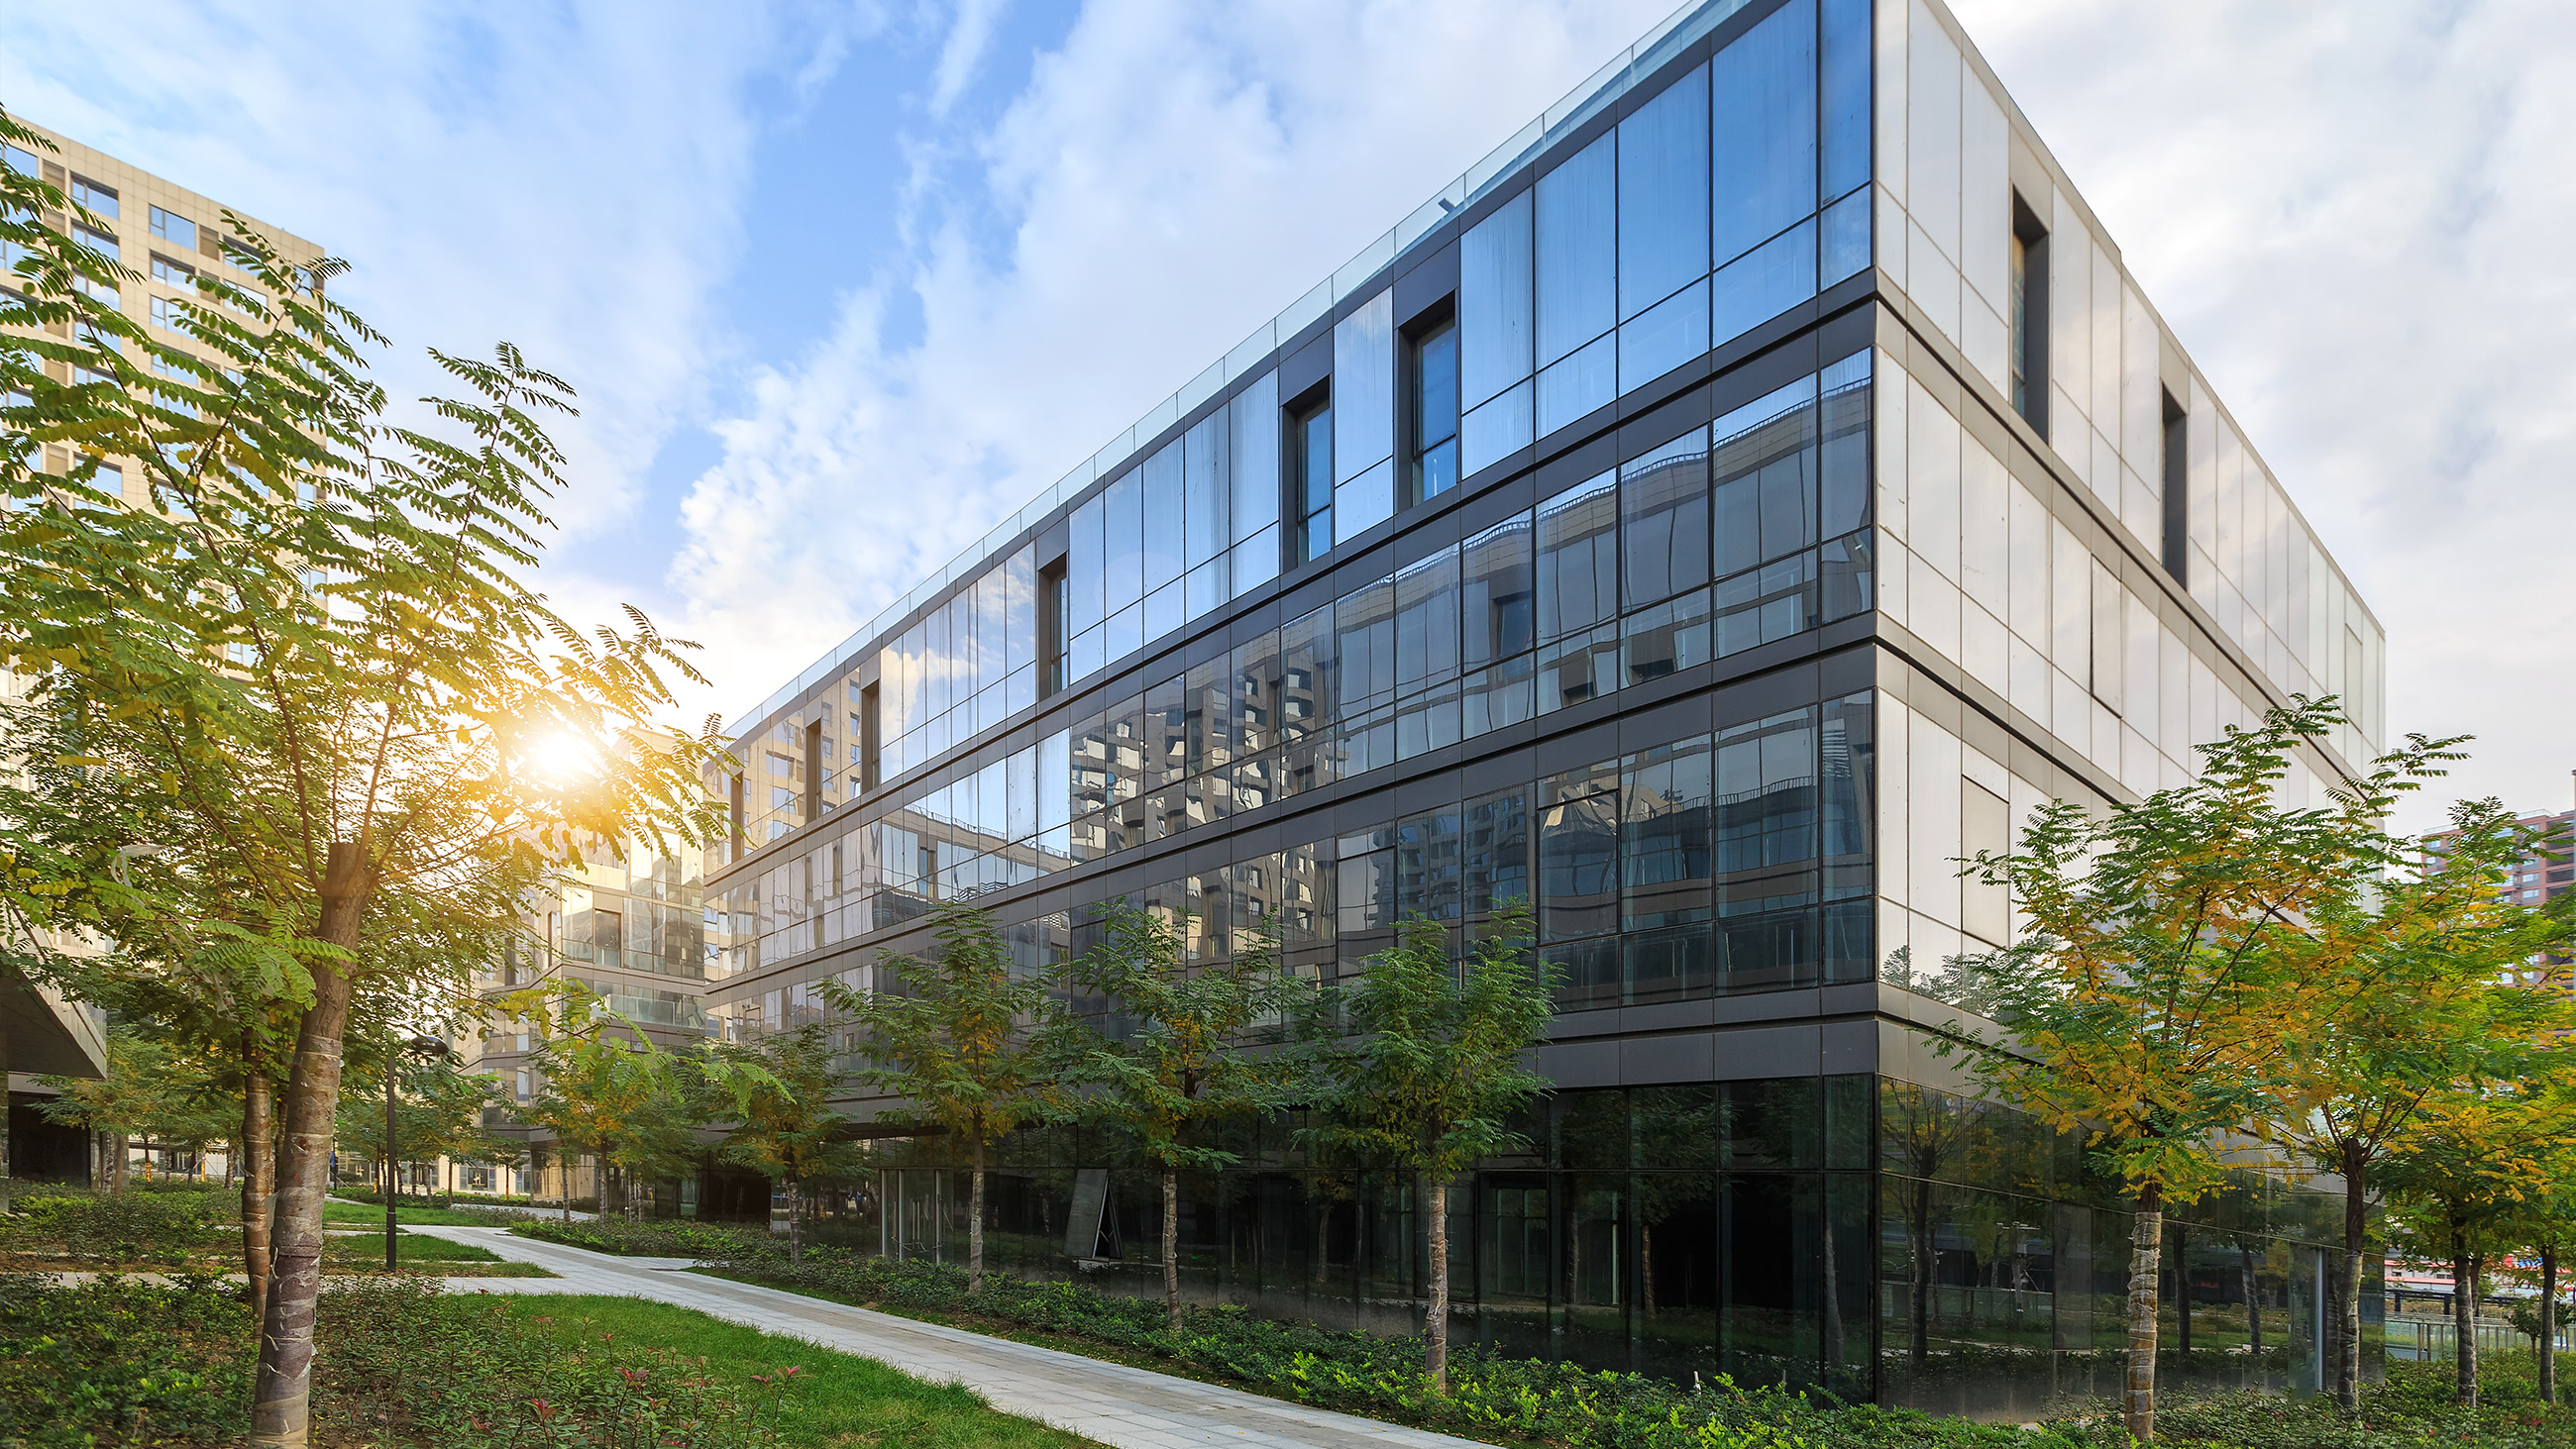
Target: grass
{"type": "Point", "coordinates": [373, 1215]}
{"type": "Point", "coordinates": [420, 1252]}
{"type": "Point", "coordinates": [841, 1401]}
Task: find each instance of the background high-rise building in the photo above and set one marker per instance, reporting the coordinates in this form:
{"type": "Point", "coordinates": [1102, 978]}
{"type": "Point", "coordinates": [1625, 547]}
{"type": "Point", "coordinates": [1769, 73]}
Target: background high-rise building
{"type": "Point", "coordinates": [1754, 487]}
{"type": "Point", "coordinates": [168, 234]}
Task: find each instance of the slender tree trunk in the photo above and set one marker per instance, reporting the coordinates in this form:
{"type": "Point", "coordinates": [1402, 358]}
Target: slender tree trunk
{"type": "Point", "coordinates": [563, 1170]}
{"type": "Point", "coordinates": [2549, 1325]}
{"type": "Point", "coordinates": [1172, 1246]}
{"type": "Point", "coordinates": [975, 1220]}
{"type": "Point", "coordinates": [2144, 1244]}
{"type": "Point", "coordinates": [2253, 1304]}
{"type": "Point", "coordinates": [2182, 1291]}
{"type": "Point", "coordinates": [1436, 1351]}
{"type": "Point", "coordinates": [1919, 1347]}
{"type": "Point", "coordinates": [795, 1221]}
{"type": "Point", "coordinates": [2356, 1224]}
{"type": "Point", "coordinates": [258, 1183]}
{"type": "Point", "coordinates": [2464, 1321]}
{"type": "Point", "coordinates": [117, 1170]}
{"type": "Point", "coordinates": [281, 1404]}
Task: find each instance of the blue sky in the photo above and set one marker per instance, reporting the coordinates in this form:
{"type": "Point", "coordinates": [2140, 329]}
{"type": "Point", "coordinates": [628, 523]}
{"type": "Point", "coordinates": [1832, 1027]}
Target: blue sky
{"type": "Point", "coordinates": [841, 283]}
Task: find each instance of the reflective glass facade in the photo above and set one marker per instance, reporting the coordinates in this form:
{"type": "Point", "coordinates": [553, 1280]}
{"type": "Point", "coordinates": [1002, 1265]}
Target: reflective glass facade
{"type": "Point", "coordinates": [1663, 533]}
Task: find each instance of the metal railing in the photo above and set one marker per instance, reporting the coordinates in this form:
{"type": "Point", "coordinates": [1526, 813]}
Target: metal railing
{"type": "Point", "coordinates": [2436, 1338]}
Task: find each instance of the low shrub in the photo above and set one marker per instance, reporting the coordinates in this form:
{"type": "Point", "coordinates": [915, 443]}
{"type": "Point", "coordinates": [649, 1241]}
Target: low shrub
{"type": "Point", "coordinates": [168, 1229]}
{"type": "Point", "coordinates": [435, 1199]}
{"type": "Point", "coordinates": [657, 1238]}
{"type": "Point", "coordinates": [117, 1362]}
{"type": "Point", "coordinates": [1492, 1396]}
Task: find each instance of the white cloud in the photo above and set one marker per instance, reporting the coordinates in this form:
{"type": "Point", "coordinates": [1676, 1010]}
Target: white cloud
{"type": "Point", "coordinates": [564, 176]}
{"type": "Point", "coordinates": [2355, 217]}
{"type": "Point", "coordinates": [1171, 176]}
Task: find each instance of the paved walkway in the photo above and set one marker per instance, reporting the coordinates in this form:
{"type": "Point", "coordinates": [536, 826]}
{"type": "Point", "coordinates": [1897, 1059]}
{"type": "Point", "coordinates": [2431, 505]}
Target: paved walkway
{"type": "Point", "coordinates": [1130, 1408]}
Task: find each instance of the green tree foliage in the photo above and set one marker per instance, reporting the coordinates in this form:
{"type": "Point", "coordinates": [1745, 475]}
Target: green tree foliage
{"type": "Point", "coordinates": [1426, 1070]}
{"type": "Point", "coordinates": [2405, 994]}
{"type": "Point", "coordinates": [2167, 944]}
{"type": "Point", "coordinates": [964, 1039]}
{"type": "Point", "coordinates": [438, 1111]}
{"type": "Point", "coordinates": [777, 1091]}
{"type": "Point", "coordinates": [607, 1092]}
{"type": "Point", "coordinates": [151, 1091]}
{"type": "Point", "coordinates": [311, 628]}
{"type": "Point", "coordinates": [1197, 1054]}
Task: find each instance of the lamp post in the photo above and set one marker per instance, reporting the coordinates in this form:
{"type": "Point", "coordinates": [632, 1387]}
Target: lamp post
{"type": "Point", "coordinates": [428, 1046]}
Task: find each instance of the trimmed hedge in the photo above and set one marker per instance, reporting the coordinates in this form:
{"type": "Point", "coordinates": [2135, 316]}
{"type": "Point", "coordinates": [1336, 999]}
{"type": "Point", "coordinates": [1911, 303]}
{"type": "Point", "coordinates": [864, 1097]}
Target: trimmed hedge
{"type": "Point", "coordinates": [657, 1238]}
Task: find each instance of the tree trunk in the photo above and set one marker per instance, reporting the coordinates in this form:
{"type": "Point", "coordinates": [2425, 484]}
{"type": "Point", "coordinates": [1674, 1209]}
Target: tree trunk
{"type": "Point", "coordinates": [117, 1169]}
{"type": "Point", "coordinates": [563, 1170]}
{"type": "Point", "coordinates": [2356, 1224]}
{"type": "Point", "coordinates": [1436, 1352]}
{"type": "Point", "coordinates": [975, 1220]}
{"type": "Point", "coordinates": [2143, 1252]}
{"type": "Point", "coordinates": [795, 1221]}
{"type": "Point", "coordinates": [2548, 1386]}
{"type": "Point", "coordinates": [1919, 1347]}
{"type": "Point", "coordinates": [2182, 1291]}
{"type": "Point", "coordinates": [1172, 1246]}
{"type": "Point", "coordinates": [2253, 1304]}
{"type": "Point", "coordinates": [258, 1182]}
{"type": "Point", "coordinates": [2464, 1320]}
{"type": "Point", "coordinates": [281, 1403]}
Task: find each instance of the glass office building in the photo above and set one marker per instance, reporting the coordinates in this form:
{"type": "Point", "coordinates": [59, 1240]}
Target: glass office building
{"type": "Point", "coordinates": [1756, 485]}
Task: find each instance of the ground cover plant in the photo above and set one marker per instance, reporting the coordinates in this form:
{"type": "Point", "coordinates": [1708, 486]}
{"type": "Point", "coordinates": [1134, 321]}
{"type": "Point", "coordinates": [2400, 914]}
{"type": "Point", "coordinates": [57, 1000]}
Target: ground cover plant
{"type": "Point", "coordinates": [351, 1214]}
{"type": "Point", "coordinates": [420, 1253]}
{"type": "Point", "coordinates": [1521, 1401]}
{"type": "Point", "coordinates": [124, 1363]}
{"type": "Point", "coordinates": [658, 1238]}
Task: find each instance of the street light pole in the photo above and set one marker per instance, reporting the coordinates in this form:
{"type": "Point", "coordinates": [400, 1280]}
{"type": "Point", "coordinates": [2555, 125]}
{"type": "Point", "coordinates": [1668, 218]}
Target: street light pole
{"type": "Point", "coordinates": [428, 1046]}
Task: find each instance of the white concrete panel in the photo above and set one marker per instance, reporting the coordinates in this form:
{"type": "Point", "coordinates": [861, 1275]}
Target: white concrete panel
{"type": "Point", "coordinates": [2173, 694]}
{"type": "Point", "coordinates": [1932, 469]}
{"type": "Point", "coordinates": [1932, 792]}
{"type": "Point", "coordinates": [1891, 397]}
{"type": "Point", "coordinates": [2027, 686]}
{"type": "Point", "coordinates": [1889, 74]}
{"type": "Point", "coordinates": [2139, 762]}
{"type": "Point", "coordinates": [1984, 650]}
{"type": "Point", "coordinates": [1887, 236]}
{"type": "Point", "coordinates": [1986, 770]}
{"type": "Point", "coordinates": [1932, 130]}
{"type": "Point", "coordinates": [1895, 572]}
{"type": "Point", "coordinates": [1986, 340]}
{"type": "Point", "coordinates": [2070, 325]}
{"type": "Point", "coordinates": [2073, 708]}
{"type": "Point", "coordinates": [2070, 592]}
{"type": "Point", "coordinates": [2029, 612]}
{"type": "Point", "coordinates": [1985, 194]}
{"type": "Point", "coordinates": [2142, 510]}
{"type": "Point", "coordinates": [2141, 706]}
{"type": "Point", "coordinates": [2106, 342]}
{"type": "Point", "coordinates": [1895, 729]}
{"type": "Point", "coordinates": [1934, 602]}
{"type": "Point", "coordinates": [1985, 526]}
{"type": "Point", "coordinates": [1932, 280]}
{"type": "Point", "coordinates": [2142, 391]}
{"type": "Point", "coordinates": [2207, 710]}
{"type": "Point", "coordinates": [2202, 426]}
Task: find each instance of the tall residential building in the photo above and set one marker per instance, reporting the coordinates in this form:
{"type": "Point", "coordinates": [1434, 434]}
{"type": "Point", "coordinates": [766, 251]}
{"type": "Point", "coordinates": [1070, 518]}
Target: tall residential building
{"type": "Point", "coordinates": [169, 235]}
{"type": "Point", "coordinates": [1755, 486]}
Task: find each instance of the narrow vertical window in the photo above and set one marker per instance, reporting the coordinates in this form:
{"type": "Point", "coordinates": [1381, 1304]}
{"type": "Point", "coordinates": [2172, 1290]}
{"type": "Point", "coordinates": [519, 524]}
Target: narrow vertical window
{"type": "Point", "coordinates": [737, 811]}
{"type": "Point", "coordinates": [1055, 600]}
{"type": "Point", "coordinates": [2177, 482]}
{"type": "Point", "coordinates": [871, 730]}
{"type": "Point", "coordinates": [2029, 317]}
{"type": "Point", "coordinates": [1310, 477]}
{"type": "Point", "coordinates": [1433, 423]}
{"type": "Point", "coordinates": [813, 802]}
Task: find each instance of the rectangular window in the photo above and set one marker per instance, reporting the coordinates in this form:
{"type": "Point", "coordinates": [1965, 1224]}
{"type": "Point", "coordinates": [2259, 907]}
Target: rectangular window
{"type": "Point", "coordinates": [1498, 593]}
{"type": "Point", "coordinates": [1764, 164]}
{"type": "Point", "coordinates": [1663, 506]}
{"type": "Point", "coordinates": [1364, 417]}
{"type": "Point", "coordinates": [1663, 195]}
{"type": "Point", "coordinates": [1578, 257]}
{"type": "Point", "coordinates": [88, 193]}
{"type": "Point", "coordinates": [177, 230]}
{"type": "Point", "coordinates": [1054, 606]}
{"type": "Point", "coordinates": [1433, 421]}
{"type": "Point", "coordinates": [173, 274]}
{"type": "Point", "coordinates": [2177, 481]}
{"type": "Point", "coordinates": [1310, 477]}
{"type": "Point", "coordinates": [170, 313]}
{"type": "Point", "coordinates": [869, 724]}
{"type": "Point", "coordinates": [1578, 557]}
{"type": "Point", "coordinates": [98, 241]}
{"type": "Point", "coordinates": [1764, 462]}
{"type": "Point", "coordinates": [2029, 341]}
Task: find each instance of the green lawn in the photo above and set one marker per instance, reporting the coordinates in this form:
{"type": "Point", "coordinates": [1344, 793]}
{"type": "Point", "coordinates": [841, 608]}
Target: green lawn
{"type": "Point", "coordinates": [839, 1400]}
{"type": "Point", "coordinates": [344, 1251]}
{"type": "Point", "coordinates": [373, 1215]}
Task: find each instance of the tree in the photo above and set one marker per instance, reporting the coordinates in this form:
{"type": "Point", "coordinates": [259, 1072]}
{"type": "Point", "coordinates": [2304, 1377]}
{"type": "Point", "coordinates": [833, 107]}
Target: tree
{"type": "Point", "coordinates": [1195, 1058]}
{"type": "Point", "coordinates": [1426, 1070]}
{"type": "Point", "coordinates": [2165, 944]}
{"type": "Point", "coordinates": [150, 1091]}
{"type": "Point", "coordinates": [607, 1091]}
{"type": "Point", "coordinates": [438, 1112]}
{"type": "Point", "coordinates": [778, 1090]}
{"type": "Point", "coordinates": [962, 1038]}
{"type": "Point", "coordinates": [312, 627]}
{"type": "Point", "coordinates": [2409, 998]}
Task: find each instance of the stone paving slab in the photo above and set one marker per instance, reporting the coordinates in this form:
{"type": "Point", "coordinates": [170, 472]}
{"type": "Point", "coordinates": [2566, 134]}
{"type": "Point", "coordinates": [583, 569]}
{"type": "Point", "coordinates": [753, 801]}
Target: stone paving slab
{"type": "Point", "coordinates": [1115, 1404]}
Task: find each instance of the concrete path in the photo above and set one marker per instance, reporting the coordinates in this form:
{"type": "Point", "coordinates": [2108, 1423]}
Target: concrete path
{"type": "Point", "coordinates": [1129, 1408]}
